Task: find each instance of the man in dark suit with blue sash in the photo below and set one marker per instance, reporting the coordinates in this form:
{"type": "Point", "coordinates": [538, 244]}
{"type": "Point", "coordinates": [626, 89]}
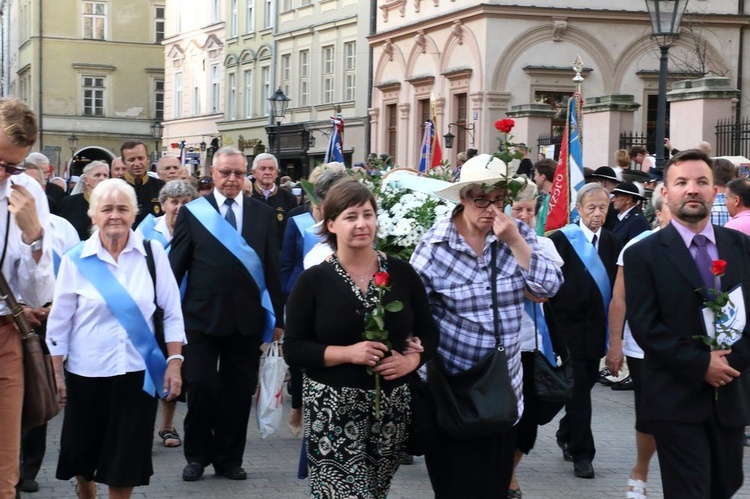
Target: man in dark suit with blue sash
{"type": "Point", "coordinates": [227, 245]}
{"type": "Point", "coordinates": [577, 316]}
{"type": "Point", "coordinates": [696, 400]}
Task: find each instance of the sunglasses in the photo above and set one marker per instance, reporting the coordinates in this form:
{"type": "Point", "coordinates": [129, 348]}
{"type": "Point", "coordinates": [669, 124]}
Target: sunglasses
{"type": "Point", "coordinates": [13, 168]}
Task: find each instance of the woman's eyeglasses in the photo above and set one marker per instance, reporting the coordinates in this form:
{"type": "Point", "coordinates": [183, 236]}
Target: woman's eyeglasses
{"type": "Point", "coordinates": [13, 168]}
{"type": "Point", "coordinates": [485, 202]}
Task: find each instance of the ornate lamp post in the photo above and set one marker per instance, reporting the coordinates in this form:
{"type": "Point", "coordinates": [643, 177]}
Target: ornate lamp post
{"type": "Point", "coordinates": [279, 102]}
{"type": "Point", "coordinates": [448, 137]}
{"type": "Point", "coordinates": [73, 144]}
{"type": "Point", "coordinates": [666, 16]}
{"type": "Point", "coordinates": [157, 129]}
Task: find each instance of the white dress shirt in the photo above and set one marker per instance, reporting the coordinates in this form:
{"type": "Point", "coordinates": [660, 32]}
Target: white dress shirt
{"type": "Point", "coordinates": [236, 207]}
{"type": "Point", "coordinates": [161, 227]}
{"type": "Point", "coordinates": [82, 326]}
{"type": "Point", "coordinates": [590, 235]}
{"type": "Point", "coordinates": [624, 214]}
{"type": "Point", "coordinates": [63, 235]}
{"type": "Point", "coordinates": [33, 283]}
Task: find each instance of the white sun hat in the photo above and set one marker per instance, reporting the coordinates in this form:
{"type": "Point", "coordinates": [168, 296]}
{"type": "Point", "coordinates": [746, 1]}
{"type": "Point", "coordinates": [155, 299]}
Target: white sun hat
{"type": "Point", "coordinates": [482, 170]}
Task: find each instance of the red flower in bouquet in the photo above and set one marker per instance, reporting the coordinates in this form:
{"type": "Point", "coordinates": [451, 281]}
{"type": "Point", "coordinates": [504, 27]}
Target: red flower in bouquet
{"type": "Point", "coordinates": [505, 125]}
{"type": "Point", "coordinates": [375, 325]}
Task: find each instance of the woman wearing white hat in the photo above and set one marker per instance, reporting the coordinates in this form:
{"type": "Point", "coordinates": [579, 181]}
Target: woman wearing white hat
{"type": "Point", "coordinates": [454, 261]}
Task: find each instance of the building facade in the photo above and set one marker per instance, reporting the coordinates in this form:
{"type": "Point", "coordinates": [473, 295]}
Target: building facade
{"type": "Point", "coordinates": [481, 60]}
{"type": "Point", "coordinates": [92, 70]}
{"type": "Point", "coordinates": [194, 79]}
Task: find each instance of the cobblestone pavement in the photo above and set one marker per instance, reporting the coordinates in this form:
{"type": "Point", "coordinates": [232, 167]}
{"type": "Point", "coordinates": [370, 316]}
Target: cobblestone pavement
{"type": "Point", "coordinates": [272, 465]}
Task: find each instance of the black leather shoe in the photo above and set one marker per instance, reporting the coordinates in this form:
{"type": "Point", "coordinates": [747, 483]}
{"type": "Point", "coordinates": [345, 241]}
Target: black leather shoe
{"type": "Point", "coordinates": [28, 485]}
{"type": "Point", "coordinates": [583, 469]}
{"type": "Point", "coordinates": [566, 452]}
{"type": "Point", "coordinates": [233, 473]}
{"type": "Point", "coordinates": [193, 472]}
{"type": "Point", "coordinates": [626, 384]}
{"type": "Point", "coordinates": [603, 377]}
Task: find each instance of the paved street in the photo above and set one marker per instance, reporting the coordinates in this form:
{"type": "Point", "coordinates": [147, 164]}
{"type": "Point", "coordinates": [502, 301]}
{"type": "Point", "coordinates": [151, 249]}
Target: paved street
{"type": "Point", "coordinates": [272, 465]}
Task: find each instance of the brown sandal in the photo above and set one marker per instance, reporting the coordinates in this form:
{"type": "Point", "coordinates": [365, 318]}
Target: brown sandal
{"type": "Point", "coordinates": [170, 438]}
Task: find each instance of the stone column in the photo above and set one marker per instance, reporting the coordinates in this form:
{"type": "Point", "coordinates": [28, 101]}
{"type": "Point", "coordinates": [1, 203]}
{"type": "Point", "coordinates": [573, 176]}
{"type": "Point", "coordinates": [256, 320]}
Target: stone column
{"type": "Point", "coordinates": [695, 107]}
{"type": "Point", "coordinates": [531, 120]}
{"type": "Point", "coordinates": [603, 119]}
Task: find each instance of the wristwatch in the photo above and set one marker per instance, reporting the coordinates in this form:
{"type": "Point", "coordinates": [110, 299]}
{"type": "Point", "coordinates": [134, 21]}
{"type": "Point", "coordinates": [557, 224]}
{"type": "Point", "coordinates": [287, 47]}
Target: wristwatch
{"type": "Point", "coordinates": [37, 245]}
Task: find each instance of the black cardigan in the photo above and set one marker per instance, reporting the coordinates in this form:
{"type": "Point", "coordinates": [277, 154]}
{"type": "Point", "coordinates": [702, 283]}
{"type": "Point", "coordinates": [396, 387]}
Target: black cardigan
{"type": "Point", "coordinates": [322, 312]}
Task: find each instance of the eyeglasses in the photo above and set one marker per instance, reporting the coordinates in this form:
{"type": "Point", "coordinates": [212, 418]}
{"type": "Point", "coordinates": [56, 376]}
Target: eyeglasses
{"type": "Point", "coordinates": [13, 168]}
{"type": "Point", "coordinates": [229, 173]}
{"type": "Point", "coordinates": [485, 202]}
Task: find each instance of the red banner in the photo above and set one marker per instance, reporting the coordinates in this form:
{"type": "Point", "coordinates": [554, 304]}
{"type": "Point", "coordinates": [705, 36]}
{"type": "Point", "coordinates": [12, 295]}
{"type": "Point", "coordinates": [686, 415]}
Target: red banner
{"type": "Point", "coordinates": [559, 196]}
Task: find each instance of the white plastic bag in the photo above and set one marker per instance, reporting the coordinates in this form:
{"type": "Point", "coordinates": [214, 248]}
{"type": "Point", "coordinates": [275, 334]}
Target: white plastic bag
{"type": "Point", "coordinates": [270, 397]}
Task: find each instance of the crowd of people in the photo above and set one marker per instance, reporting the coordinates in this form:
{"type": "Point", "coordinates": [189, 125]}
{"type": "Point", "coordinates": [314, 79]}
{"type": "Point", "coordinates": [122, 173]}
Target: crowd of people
{"type": "Point", "coordinates": [157, 287]}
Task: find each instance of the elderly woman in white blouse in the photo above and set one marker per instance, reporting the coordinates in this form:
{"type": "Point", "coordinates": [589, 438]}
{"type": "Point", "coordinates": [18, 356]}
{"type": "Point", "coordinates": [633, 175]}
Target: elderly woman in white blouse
{"type": "Point", "coordinates": [102, 321]}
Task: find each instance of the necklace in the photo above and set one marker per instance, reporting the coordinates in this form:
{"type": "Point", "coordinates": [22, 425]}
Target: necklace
{"type": "Point", "coordinates": [361, 277]}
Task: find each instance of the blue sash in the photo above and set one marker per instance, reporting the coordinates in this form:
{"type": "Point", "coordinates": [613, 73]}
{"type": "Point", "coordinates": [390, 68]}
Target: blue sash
{"type": "Point", "coordinates": [303, 222]}
{"type": "Point", "coordinates": [588, 255]}
{"type": "Point", "coordinates": [311, 239]}
{"type": "Point", "coordinates": [124, 308]}
{"type": "Point", "coordinates": [146, 227]}
{"type": "Point", "coordinates": [228, 236]}
{"type": "Point", "coordinates": [540, 324]}
{"type": "Point", "coordinates": [56, 261]}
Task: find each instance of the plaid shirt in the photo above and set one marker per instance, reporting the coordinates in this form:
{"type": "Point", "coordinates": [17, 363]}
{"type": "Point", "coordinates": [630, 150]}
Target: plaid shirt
{"type": "Point", "coordinates": [458, 287]}
{"type": "Point", "coordinates": [719, 213]}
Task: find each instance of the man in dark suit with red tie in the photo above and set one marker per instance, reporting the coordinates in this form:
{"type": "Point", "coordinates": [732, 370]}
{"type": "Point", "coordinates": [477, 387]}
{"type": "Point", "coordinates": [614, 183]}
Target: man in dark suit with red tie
{"type": "Point", "coordinates": [577, 316]}
{"type": "Point", "coordinates": [696, 400]}
{"type": "Point", "coordinates": [226, 244]}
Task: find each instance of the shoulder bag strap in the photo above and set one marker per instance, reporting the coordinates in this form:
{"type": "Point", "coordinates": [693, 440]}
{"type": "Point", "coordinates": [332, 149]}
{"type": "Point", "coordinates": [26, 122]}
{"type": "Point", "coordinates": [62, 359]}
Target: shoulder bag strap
{"type": "Point", "coordinates": [495, 318]}
{"type": "Point", "coordinates": [150, 263]}
{"type": "Point", "coordinates": [7, 294]}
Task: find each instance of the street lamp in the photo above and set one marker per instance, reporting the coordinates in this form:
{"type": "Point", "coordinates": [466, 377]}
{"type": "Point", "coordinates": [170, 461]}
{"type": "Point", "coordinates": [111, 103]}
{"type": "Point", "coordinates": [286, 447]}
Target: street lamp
{"type": "Point", "coordinates": [73, 144]}
{"type": "Point", "coordinates": [448, 137]}
{"type": "Point", "coordinates": [279, 102]}
{"type": "Point", "coordinates": [666, 16]}
{"type": "Point", "coordinates": [157, 129]}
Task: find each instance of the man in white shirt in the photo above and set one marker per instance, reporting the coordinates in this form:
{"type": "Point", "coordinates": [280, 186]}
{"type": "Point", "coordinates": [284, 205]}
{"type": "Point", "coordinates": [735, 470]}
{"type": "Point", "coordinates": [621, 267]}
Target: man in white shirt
{"type": "Point", "coordinates": [27, 266]}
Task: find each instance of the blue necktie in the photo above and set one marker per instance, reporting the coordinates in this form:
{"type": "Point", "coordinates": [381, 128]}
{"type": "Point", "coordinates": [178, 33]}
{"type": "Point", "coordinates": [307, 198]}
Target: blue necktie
{"type": "Point", "coordinates": [703, 260]}
{"type": "Point", "coordinates": [229, 217]}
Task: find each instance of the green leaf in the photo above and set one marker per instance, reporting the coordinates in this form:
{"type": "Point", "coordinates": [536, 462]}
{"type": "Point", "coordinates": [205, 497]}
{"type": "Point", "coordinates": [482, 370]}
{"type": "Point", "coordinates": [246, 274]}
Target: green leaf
{"type": "Point", "coordinates": [379, 321]}
{"type": "Point", "coordinates": [371, 335]}
{"type": "Point", "coordinates": [394, 306]}
{"type": "Point", "coordinates": [309, 189]}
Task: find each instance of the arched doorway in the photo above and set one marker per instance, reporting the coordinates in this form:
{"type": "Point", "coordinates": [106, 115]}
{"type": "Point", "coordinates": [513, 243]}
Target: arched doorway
{"type": "Point", "coordinates": [85, 156]}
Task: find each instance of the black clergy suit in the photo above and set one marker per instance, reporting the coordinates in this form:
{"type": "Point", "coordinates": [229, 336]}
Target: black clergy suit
{"type": "Point", "coordinates": [699, 438]}
{"type": "Point", "coordinates": [224, 322]}
{"type": "Point", "coordinates": [75, 209]}
{"type": "Point", "coordinates": [577, 323]}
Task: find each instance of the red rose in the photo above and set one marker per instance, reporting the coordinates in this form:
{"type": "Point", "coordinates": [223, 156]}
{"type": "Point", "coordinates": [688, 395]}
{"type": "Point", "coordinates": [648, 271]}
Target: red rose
{"type": "Point", "coordinates": [505, 125]}
{"type": "Point", "coordinates": [718, 267]}
{"type": "Point", "coordinates": [381, 279]}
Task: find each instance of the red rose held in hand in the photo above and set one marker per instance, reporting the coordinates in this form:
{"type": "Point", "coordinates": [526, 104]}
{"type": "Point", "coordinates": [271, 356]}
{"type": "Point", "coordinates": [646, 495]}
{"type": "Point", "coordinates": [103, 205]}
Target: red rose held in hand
{"type": "Point", "coordinates": [505, 125]}
{"type": "Point", "coordinates": [718, 267]}
{"type": "Point", "coordinates": [381, 279]}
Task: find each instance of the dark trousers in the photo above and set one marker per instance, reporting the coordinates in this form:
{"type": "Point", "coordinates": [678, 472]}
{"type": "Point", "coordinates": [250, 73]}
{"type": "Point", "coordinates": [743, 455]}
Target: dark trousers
{"type": "Point", "coordinates": [575, 426]}
{"type": "Point", "coordinates": [699, 460]}
{"type": "Point", "coordinates": [527, 426]}
{"type": "Point", "coordinates": [222, 372]}
{"type": "Point", "coordinates": [478, 468]}
{"type": "Point", "coordinates": [295, 386]}
{"type": "Point", "coordinates": [33, 447]}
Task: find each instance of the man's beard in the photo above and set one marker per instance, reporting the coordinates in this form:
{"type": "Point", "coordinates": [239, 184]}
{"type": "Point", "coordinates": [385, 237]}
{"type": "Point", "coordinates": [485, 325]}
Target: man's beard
{"type": "Point", "coordinates": [699, 214]}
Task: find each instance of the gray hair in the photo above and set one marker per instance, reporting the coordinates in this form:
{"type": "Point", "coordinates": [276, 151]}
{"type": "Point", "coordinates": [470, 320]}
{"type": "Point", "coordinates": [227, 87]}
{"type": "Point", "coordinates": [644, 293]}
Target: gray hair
{"type": "Point", "coordinates": [79, 187]}
{"type": "Point", "coordinates": [33, 166]}
{"type": "Point", "coordinates": [227, 151]}
{"type": "Point", "coordinates": [657, 200]}
{"type": "Point", "coordinates": [161, 161]}
{"type": "Point", "coordinates": [325, 182]}
{"type": "Point", "coordinates": [587, 190]}
{"type": "Point", "coordinates": [177, 189]}
{"type": "Point", "coordinates": [37, 159]}
{"type": "Point", "coordinates": [263, 156]}
{"type": "Point", "coordinates": [107, 189]}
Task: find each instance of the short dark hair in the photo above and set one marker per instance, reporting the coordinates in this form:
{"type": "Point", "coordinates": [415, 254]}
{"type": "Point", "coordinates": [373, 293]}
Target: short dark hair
{"type": "Point", "coordinates": [546, 167]}
{"type": "Point", "coordinates": [636, 150]}
{"type": "Point", "coordinates": [740, 187]}
{"type": "Point", "coordinates": [688, 155]}
{"type": "Point", "coordinates": [132, 144]}
{"type": "Point", "coordinates": [342, 195]}
{"type": "Point", "coordinates": [724, 171]}
{"type": "Point", "coordinates": [470, 153]}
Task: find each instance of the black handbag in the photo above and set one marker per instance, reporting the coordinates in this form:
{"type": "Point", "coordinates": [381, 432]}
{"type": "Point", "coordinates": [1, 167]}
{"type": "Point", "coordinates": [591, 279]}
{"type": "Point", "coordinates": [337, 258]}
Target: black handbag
{"type": "Point", "coordinates": [421, 429]}
{"type": "Point", "coordinates": [553, 384]}
{"type": "Point", "coordinates": [159, 312]}
{"type": "Point", "coordinates": [479, 402]}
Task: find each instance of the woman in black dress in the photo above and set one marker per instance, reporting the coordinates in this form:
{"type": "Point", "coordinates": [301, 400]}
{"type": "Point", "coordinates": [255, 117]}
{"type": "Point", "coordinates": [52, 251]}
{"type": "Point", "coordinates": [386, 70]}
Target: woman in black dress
{"type": "Point", "coordinates": [353, 451]}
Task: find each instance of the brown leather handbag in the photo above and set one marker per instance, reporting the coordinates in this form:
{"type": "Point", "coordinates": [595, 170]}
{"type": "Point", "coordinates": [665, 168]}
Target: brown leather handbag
{"type": "Point", "coordinates": [40, 389]}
